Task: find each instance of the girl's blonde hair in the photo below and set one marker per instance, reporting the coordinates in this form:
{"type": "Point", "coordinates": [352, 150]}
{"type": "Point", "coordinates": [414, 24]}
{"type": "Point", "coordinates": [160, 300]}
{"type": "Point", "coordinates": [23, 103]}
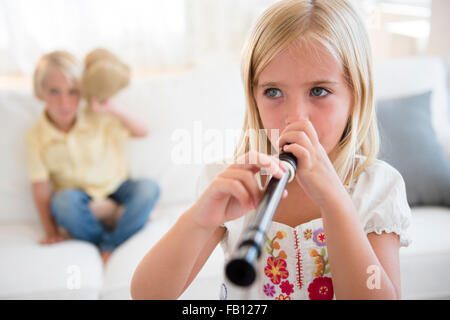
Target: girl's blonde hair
{"type": "Point", "coordinates": [336, 25]}
{"type": "Point", "coordinates": [61, 61]}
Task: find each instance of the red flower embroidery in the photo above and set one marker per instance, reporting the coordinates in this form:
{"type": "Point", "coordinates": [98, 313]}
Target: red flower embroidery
{"type": "Point", "coordinates": [308, 234]}
{"type": "Point", "coordinates": [321, 289]}
{"type": "Point", "coordinates": [276, 270]}
{"type": "Point", "coordinates": [286, 287]}
{"type": "Point", "coordinates": [281, 297]}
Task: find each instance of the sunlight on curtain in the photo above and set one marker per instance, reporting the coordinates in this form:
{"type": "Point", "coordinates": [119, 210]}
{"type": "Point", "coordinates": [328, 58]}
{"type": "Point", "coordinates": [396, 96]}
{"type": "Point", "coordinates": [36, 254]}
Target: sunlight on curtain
{"type": "Point", "coordinates": [147, 34]}
{"type": "Point", "coordinates": [174, 34]}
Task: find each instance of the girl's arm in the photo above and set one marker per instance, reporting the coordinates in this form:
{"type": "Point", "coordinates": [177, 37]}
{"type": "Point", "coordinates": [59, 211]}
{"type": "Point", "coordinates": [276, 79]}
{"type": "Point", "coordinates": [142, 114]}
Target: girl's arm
{"type": "Point", "coordinates": [171, 265]}
{"type": "Point", "coordinates": [42, 195]}
{"type": "Point", "coordinates": [350, 252]}
{"type": "Point", "coordinates": [363, 266]}
{"type": "Point", "coordinates": [136, 127]}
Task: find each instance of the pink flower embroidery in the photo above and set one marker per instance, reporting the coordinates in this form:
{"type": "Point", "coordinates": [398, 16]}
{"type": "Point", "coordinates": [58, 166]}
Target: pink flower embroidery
{"type": "Point", "coordinates": [286, 287]}
{"type": "Point", "coordinates": [276, 270]}
{"type": "Point", "coordinates": [269, 290]}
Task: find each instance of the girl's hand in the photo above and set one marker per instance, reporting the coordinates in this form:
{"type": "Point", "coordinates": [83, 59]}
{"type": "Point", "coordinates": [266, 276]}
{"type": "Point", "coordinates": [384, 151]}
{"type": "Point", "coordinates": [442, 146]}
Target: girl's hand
{"type": "Point", "coordinates": [235, 191]}
{"type": "Point", "coordinates": [315, 172]}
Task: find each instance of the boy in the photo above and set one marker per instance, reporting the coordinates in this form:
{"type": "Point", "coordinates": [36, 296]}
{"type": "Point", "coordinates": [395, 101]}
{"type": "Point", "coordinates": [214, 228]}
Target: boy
{"type": "Point", "coordinates": [76, 156]}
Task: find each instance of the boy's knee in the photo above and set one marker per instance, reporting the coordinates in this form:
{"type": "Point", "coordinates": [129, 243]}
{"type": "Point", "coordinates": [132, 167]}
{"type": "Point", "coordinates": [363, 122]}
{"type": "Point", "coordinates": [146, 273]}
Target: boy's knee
{"type": "Point", "coordinates": [65, 201]}
{"type": "Point", "coordinates": [148, 189]}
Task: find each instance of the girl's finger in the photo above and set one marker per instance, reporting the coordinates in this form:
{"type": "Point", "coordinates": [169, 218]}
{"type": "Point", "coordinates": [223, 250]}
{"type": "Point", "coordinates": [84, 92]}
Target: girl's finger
{"type": "Point", "coordinates": [236, 189]}
{"type": "Point", "coordinates": [296, 137]}
{"type": "Point", "coordinates": [247, 178]}
{"type": "Point", "coordinates": [301, 153]}
{"type": "Point", "coordinates": [256, 160]}
{"type": "Point", "coordinates": [303, 125]}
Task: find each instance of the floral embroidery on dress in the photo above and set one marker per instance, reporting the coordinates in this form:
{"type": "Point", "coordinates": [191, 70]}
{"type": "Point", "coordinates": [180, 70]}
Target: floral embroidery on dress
{"type": "Point", "coordinates": [321, 261]}
{"type": "Point", "coordinates": [299, 271]}
{"type": "Point", "coordinates": [308, 234]}
{"type": "Point", "coordinates": [276, 268]}
{"type": "Point", "coordinates": [319, 237]}
{"type": "Point", "coordinates": [287, 287]}
{"type": "Point", "coordinates": [282, 297]}
{"type": "Point", "coordinates": [269, 290]}
{"type": "Point", "coordinates": [321, 288]}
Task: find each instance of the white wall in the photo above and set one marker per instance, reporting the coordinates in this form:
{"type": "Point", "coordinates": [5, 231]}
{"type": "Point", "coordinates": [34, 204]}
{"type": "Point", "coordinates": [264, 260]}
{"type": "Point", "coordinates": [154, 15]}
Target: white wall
{"type": "Point", "coordinates": [440, 26]}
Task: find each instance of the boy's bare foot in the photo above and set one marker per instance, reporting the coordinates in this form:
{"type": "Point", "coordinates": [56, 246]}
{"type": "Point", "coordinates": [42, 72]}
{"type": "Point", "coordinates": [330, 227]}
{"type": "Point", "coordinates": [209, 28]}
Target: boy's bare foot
{"type": "Point", "coordinates": [105, 256]}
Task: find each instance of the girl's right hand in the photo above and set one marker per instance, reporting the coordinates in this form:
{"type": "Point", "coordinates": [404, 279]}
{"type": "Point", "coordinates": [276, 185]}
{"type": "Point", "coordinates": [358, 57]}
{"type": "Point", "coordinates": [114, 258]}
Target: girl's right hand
{"type": "Point", "coordinates": [235, 191]}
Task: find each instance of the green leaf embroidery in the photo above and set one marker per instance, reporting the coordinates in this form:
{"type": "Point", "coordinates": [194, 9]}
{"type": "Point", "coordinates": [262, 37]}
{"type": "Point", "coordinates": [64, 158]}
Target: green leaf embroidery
{"type": "Point", "coordinates": [269, 250]}
{"type": "Point", "coordinates": [323, 252]}
{"type": "Point", "coordinates": [327, 270]}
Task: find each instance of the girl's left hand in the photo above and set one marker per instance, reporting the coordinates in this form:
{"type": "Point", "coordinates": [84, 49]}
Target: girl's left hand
{"type": "Point", "coordinates": [315, 172]}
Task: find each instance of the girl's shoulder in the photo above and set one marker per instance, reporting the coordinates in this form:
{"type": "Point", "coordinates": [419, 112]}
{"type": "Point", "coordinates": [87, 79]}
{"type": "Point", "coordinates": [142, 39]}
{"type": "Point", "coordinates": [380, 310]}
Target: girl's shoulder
{"type": "Point", "coordinates": [379, 196]}
{"type": "Point", "coordinates": [378, 175]}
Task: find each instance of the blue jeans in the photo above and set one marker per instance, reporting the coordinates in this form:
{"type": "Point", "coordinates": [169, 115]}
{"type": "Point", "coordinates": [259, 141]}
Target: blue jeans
{"type": "Point", "coordinates": [70, 210]}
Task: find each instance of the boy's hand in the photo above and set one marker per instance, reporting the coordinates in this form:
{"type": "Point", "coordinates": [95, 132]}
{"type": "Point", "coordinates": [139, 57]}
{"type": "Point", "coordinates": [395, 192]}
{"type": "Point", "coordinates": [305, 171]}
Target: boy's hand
{"type": "Point", "coordinates": [104, 106]}
{"type": "Point", "coordinates": [53, 238]}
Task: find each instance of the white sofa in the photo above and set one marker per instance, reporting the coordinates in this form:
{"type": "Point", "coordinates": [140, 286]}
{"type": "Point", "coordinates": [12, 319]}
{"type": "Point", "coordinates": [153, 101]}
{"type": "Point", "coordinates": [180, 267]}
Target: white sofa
{"type": "Point", "coordinates": [196, 100]}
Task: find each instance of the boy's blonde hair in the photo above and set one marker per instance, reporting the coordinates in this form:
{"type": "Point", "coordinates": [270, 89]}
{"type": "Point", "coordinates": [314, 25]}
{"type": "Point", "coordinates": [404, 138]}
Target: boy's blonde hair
{"type": "Point", "coordinates": [61, 61]}
{"type": "Point", "coordinates": [336, 25]}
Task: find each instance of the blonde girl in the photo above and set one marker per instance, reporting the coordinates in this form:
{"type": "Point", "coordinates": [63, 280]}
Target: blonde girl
{"type": "Point", "coordinates": [307, 73]}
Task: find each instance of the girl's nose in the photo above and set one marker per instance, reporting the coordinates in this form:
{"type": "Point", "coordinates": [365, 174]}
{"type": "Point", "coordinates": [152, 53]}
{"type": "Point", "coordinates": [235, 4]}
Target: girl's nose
{"type": "Point", "coordinates": [295, 112]}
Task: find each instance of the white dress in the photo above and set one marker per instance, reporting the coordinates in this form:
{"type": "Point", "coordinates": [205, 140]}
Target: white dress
{"type": "Point", "coordinates": [294, 262]}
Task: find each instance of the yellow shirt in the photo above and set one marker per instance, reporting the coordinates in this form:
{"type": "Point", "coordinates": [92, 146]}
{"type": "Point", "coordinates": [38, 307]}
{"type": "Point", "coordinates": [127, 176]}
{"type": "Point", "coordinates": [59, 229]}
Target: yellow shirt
{"type": "Point", "coordinates": [89, 157]}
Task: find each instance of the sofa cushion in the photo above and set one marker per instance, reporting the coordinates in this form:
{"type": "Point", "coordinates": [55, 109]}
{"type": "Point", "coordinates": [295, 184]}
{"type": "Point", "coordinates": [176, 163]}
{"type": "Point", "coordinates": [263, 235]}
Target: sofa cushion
{"type": "Point", "coordinates": [407, 76]}
{"type": "Point", "coordinates": [425, 263]}
{"type": "Point", "coordinates": [68, 270]}
{"type": "Point", "coordinates": [189, 111]}
{"type": "Point", "coordinates": [409, 143]}
{"type": "Point", "coordinates": [124, 260]}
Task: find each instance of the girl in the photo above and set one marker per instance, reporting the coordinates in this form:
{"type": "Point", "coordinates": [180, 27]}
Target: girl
{"type": "Point", "coordinates": [307, 72]}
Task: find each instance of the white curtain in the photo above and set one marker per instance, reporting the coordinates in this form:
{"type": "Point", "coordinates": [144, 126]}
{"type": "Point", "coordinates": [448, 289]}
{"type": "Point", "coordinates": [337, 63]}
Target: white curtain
{"type": "Point", "coordinates": [145, 33]}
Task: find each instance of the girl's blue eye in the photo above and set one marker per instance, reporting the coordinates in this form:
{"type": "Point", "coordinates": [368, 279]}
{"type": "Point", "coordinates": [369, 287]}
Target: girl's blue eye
{"type": "Point", "coordinates": [319, 92]}
{"type": "Point", "coordinates": [272, 93]}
